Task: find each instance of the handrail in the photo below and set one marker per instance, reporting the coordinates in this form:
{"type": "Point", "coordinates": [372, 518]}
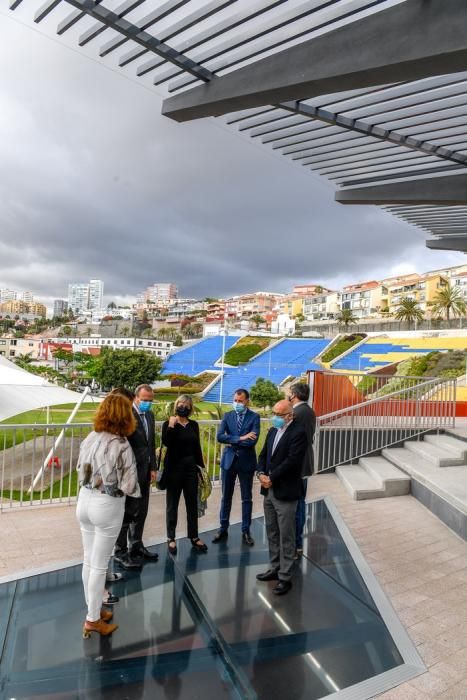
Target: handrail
{"type": "Point", "coordinates": [379, 399]}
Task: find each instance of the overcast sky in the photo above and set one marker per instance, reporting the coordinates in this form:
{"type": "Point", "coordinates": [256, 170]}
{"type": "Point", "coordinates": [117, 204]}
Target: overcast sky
{"type": "Point", "coordinates": [95, 183]}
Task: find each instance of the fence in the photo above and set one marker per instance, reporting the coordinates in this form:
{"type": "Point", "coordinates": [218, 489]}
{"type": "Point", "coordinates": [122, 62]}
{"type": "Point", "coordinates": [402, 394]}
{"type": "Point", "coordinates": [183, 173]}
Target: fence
{"type": "Point", "coordinates": [359, 429]}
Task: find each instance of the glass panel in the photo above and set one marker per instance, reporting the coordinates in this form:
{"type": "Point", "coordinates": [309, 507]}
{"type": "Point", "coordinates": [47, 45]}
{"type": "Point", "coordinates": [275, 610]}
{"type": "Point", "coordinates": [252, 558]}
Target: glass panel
{"type": "Point", "coordinates": [159, 650]}
{"type": "Point", "coordinates": [324, 635]}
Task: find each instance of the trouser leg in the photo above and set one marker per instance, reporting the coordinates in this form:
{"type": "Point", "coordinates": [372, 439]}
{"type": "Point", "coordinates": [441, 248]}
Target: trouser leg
{"type": "Point", "coordinates": [135, 532]}
{"type": "Point", "coordinates": [246, 491]}
{"type": "Point", "coordinates": [131, 509]}
{"type": "Point", "coordinates": [190, 494]}
{"type": "Point", "coordinates": [228, 484]}
{"type": "Point", "coordinates": [87, 537]}
{"type": "Point", "coordinates": [272, 531]}
{"type": "Point", "coordinates": [174, 489]}
{"type": "Point", "coordinates": [300, 518]}
{"type": "Point", "coordinates": [106, 515]}
{"type": "Point", "coordinates": [286, 511]}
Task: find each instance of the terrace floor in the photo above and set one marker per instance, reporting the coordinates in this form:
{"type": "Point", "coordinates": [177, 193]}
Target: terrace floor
{"type": "Point", "coordinates": [419, 562]}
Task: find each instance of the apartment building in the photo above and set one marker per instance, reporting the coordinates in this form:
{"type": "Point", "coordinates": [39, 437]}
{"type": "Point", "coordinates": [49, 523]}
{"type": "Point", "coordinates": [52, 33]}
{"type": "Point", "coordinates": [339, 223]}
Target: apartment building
{"type": "Point", "coordinates": [18, 308]}
{"type": "Point", "coordinates": [364, 298]}
{"type": "Point", "coordinates": [421, 288]}
{"type": "Point", "coordinates": [322, 306]}
{"type": "Point", "coordinates": [246, 305]}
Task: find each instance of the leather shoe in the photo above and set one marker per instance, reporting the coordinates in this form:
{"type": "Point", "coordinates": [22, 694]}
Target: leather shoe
{"type": "Point", "coordinates": [248, 539]}
{"type": "Point", "coordinates": [127, 562]}
{"type": "Point", "coordinates": [220, 536]}
{"type": "Point", "coordinates": [147, 555]}
{"type": "Point", "coordinates": [269, 575]}
{"type": "Point", "coordinates": [282, 588]}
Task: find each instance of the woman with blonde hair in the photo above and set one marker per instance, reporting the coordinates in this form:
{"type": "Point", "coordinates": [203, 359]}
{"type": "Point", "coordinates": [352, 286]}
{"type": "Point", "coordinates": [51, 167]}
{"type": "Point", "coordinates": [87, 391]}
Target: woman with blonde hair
{"type": "Point", "coordinates": [180, 435]}
{"type": "Point", "coordinates": [107, 474]}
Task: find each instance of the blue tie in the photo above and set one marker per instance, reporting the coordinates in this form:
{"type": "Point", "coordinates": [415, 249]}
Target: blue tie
{"type": "Point", "coordinates": [239, 422]}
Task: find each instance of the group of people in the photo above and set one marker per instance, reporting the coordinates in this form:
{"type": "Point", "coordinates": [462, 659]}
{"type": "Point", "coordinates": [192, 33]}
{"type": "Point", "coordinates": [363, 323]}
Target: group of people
{"type": "Point", "coordinates": [117, 464]}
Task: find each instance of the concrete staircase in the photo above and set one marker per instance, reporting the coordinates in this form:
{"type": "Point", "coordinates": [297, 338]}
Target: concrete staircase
{"type": "Point", "coordinates": [438, 461]}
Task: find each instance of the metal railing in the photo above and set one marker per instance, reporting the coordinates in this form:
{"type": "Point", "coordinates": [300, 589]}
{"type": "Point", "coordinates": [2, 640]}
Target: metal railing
{"type": "Point", "coordinates": [38, 461]}
{"type": "Point", "coordinates": [338, 390]}
{"type": "Point", "coordinates": [364, 428]}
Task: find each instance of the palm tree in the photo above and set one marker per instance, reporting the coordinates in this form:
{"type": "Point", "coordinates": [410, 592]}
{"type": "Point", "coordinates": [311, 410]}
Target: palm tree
{"type": "Point", "coordinates": [449, 300]}
{"type": "Point", "coordinates": [346, 316]}
{"type": "Point", "coordinates": [162, 333]}
{"type": "Point", "coordinates": [409, 310]}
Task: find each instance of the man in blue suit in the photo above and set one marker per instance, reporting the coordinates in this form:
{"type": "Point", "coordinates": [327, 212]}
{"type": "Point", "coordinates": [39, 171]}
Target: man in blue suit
{"type": "Point", "coordinates": [239, 431]}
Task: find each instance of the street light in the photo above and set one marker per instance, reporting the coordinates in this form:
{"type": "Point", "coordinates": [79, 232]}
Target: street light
{"type": "Point", "coordinates": [224, 333]}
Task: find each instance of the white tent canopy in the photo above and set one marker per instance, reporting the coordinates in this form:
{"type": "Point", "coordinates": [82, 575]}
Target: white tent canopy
{"type": "Point", "coordinates": [22, 391]}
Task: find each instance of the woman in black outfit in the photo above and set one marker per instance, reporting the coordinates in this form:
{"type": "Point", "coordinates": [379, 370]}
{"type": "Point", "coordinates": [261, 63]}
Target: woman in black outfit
{"type": "Point", "coordinates": [180, 435]}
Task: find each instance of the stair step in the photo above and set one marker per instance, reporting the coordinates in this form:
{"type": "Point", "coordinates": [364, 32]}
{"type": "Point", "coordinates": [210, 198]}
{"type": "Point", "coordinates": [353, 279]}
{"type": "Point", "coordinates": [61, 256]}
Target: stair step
{"type": "Point", "coordinates": [359, 483]}
{"type": "Point", "coordinates": [408, 461]}
{"type": "Point", "coordinates": [391, 479]}
{"type": "Point", "coordinates": [450, 444]}
{"type": "Point", "coordinates": [433, 454]}
{"type": "Point", "coordinates": [458, 433]}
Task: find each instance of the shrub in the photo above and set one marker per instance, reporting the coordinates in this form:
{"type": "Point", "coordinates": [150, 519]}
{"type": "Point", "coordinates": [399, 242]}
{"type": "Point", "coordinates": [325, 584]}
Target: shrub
{"type": "Point", "coordinates": [341, 346]}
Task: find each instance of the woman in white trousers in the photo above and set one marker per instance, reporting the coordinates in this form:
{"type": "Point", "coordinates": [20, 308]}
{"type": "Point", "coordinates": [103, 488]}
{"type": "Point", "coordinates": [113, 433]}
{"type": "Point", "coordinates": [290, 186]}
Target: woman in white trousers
{"type": "Point", "coordinates": [107, 474]}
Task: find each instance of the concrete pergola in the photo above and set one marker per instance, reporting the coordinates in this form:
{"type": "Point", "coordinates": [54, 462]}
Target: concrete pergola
{"type": "Point", "coordinates": [371, 94]}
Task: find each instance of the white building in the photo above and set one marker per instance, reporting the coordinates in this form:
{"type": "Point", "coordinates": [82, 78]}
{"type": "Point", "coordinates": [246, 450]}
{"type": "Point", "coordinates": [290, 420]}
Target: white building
{"type": "Point", "coordinates": [283, 325]}
{"type": "Point", "coordinates": [321, 306]}
{"type": "Point", "coordinates": [8, 295]}
{"type": "Point", "coordinates": [60, 307]}
{"type": "Point", "coordinates": [96, 294]}
{"type": "Point", "coordinates": [78, 297]}
{"type": "Point", "coordinates": [161, 348]}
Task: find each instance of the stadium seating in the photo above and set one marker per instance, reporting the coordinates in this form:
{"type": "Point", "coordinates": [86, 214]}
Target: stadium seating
{"type": "Point", "coordinates": [381, 351]}
{"type": "Point", "coordinates": [198, 357]}
{"type": "Point", "coordinates": [290, 357]}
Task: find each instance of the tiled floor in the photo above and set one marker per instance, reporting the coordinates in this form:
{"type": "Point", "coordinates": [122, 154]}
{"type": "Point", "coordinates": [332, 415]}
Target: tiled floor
{"type": "Point", "coordinates": [420, 563]}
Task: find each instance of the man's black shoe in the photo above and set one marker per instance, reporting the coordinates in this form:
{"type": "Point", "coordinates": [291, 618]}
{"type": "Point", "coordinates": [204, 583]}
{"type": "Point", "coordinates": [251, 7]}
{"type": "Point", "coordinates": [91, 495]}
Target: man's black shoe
{"type": "Point", "coordinates": [220, 536]}
{"type": "Point", "coordinates": [282, 588]}
{"type": "Point", "coordinates": [269, 575]}
{"type": "Point", "coordinates": [145, 554]}
{"type": "Point", "coordinates": [129, 563]}
{"type": "Point", "coordinates": [248, 539]}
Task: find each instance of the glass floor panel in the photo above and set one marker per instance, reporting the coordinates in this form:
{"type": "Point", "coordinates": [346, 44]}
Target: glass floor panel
{"type": "Point", "coordinates": [201, 626]}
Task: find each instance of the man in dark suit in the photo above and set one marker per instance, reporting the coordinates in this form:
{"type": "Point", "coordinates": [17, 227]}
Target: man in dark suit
{"type": "Point", "coordinates": [305, 417]}
{"type": "Point", "coordinates": [280, 473]}
{"type": "Point", "coordinates": [239, 431]}
{"type": "Point", "coordinates": [129, 549]}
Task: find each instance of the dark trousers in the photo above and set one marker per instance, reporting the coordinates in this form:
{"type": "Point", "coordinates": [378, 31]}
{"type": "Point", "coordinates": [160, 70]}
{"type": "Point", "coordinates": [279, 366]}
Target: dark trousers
{"type": "Point", "coordinates": [229, 477]}
{"type": "Point", "coordinates": [300, 516]}
{"type": "Point", "coordinates": [279, 518]}
{"type": "Point", "coordinates": [183, 480]}
{"type": "Point", "coordinates": [131, 535]}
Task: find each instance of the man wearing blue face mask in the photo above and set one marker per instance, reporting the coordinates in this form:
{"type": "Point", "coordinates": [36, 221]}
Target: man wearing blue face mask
{"type": "Point", "coordinates": [280, 473]}
{"type": "Point", "coordinates": [239, 432]}
{"type": "Point", "coordinates": [130, 552]}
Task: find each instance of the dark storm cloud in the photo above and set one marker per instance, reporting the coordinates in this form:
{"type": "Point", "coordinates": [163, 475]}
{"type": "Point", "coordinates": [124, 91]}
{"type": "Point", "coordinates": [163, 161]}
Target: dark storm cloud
{"type": "Point", "coordinates": [95, 183]}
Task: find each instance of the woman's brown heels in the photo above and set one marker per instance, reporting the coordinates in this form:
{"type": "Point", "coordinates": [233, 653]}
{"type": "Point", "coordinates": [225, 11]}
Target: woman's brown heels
{"type": "Point", "coordinates": [101, 627]}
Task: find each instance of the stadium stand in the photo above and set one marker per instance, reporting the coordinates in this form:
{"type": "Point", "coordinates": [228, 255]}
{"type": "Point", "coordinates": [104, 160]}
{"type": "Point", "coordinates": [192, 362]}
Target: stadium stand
{"type": "Point", "coordinates": [290, 357]}
{"type": "Point", "coordinates": [381, 351]}
{"type": "Point", "coordinates": [198, 357]}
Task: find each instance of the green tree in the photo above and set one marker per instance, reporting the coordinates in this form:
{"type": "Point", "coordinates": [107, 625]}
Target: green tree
{"type": "Point", "coordinates": [65, 331]}
{"type": "Point", "coordinates": [257, 319]}
{"type": "Point", "coordinates": [449, 300]}
{"type": "Point", "coordinates": [178, 341]}
{"type": "Point", "coordinates": [265, 393]}
{"type": "Point", "coordinates": [300, 318]}
{"type": "Point", "coordinates": [126, 368]}
{"type": "Point", "coordinates": [63, 355]}
{"type": "Point", "coordinates": [346, 317]}
{"type": "Point", "coordinates": [409, 310]}
{"type": "Point", "coordinates": [163, 333]}
{"type": "Point", "coordinates": [125, 331]}
{"type": "Point", "coordinates": [23, 360]}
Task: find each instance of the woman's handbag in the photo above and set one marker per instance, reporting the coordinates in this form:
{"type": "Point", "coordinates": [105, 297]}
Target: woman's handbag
{"type": "Point", "coordinates": [204, 490]}
{"type": "Point", "coordinates": [161, 479]}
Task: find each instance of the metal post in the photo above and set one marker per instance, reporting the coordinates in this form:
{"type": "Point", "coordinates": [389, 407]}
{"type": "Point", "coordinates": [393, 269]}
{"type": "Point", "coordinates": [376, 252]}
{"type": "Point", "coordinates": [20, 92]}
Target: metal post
{"type": "Point", "coordinates": [58, 440]}
{"type": "Point", "coordinates": [224, 331]}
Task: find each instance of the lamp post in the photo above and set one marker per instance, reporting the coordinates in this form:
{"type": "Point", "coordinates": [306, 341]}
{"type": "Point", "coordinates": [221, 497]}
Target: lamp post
{"type": "Point", "coordinates": [224, 333]}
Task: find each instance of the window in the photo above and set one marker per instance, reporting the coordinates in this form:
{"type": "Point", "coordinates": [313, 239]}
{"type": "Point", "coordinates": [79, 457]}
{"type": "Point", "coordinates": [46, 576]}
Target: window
{"type": "Point", "coordinates": [140, 342]}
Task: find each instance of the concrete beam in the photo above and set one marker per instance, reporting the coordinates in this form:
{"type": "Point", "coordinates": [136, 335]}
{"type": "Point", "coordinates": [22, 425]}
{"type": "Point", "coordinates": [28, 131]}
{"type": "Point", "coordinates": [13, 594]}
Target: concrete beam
{"type": "Point", "coordinates": [450, 190]}
{"type": "Point", "coordinates": [458, 243]}
{"type": "Point", "coordinates": [410, 41]}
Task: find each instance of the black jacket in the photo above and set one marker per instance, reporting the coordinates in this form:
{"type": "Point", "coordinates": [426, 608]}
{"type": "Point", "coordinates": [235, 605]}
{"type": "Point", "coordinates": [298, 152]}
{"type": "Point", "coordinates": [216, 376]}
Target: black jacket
{"type": "Point", "coordinates": [144, 447]}
{"type": "Point", "coordinates": [169, 439]}
{"type": "Point", "coordinates": [284, 467]}
{"type": "Point", "coordinates": [305, 417]}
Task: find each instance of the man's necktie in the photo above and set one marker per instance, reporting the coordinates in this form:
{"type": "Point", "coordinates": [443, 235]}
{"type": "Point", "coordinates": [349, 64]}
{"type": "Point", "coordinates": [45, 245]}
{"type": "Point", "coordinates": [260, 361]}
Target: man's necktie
{"type": "Point", "coordinates": [239, 422]}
